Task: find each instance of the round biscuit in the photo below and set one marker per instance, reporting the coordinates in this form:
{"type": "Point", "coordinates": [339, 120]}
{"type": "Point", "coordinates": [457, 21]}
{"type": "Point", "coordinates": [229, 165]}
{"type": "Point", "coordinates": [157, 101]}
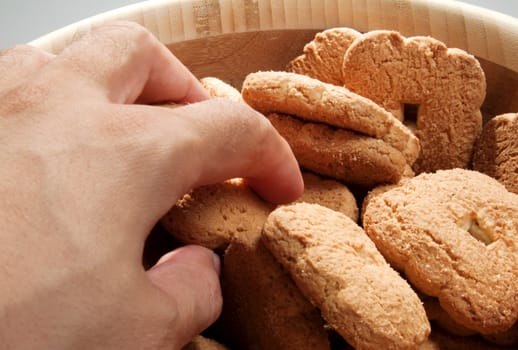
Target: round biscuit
{"type": "Point", "coordinates": [454, 233]}
{"type": "Point", "coordinates": [316, 101]}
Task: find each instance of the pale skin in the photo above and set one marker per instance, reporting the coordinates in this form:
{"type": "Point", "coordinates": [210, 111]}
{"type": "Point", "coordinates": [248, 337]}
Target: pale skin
{"type": "Point", "coordinates": [88, 166]}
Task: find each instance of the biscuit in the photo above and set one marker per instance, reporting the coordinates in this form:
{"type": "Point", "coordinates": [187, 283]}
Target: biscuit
{"type": "Point", "coordinates": [338, 268]}
{"type": "Point", "coordinates": [263, 308]}
{"type": "Point", "coordinates": [436, 313]}
{"type": "Point", "coordinates": [330, 194]}
{"type": "Point", "coordinates": [440, 340]}
{"type": "Point", "coordinates": [316, 101]}
{"type": "Point", "coordinates": [202, 343]}
{"type": "Point", "coordinates": [211, 215]}
{"type": "Point", "coordinates": [323, 57]}
{"type": "Point", "coordinates": [496, 151]}
{"type": "Point", "coordinates": [340, 154]}
{"type": "Point", "coordinates": [448, 85]}
{"type": "Point", "coordinates": [506, 338]}
{"type": "Point", "coordinates": [218, 88]}
{"type": "Point", "coordinates": [454, 234]}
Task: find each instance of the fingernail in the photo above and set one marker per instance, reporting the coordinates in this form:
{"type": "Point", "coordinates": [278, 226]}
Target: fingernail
{"type": "Point", "coordinates": [217, 263]}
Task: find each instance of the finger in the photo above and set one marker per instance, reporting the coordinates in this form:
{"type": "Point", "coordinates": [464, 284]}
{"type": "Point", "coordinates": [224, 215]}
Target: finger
{"type": "Point", "coordinates": [190, 276]}
{"type": "Point", "coordinates": [128, 64]}
{"type": "Point", "coordinates": [19, 63]}
{"type": "Point", "coordinates": [218, 139]}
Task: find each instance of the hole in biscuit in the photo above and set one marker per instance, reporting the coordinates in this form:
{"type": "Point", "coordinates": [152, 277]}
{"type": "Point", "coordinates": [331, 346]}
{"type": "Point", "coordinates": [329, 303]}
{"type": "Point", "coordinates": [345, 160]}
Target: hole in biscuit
{"type": "Point", "coordinates": [471, 225]}
{"type": "Point", "coordinates": [410, 112]}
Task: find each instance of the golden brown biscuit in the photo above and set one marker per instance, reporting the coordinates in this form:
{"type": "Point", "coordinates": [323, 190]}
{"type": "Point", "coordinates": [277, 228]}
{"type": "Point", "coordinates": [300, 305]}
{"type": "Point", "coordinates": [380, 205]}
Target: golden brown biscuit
{"type": "Point", "coordinates": [507, 338]}
{"type": "Point", "coordinates": [202, 343]}
{"type": "Point", "coordinates": [448, 85]}
{"type": "Point", "coordinates": [316, 101]}
{"type": "Point", "coordinates": [263, 309]}
{"type": "Point", "coordinates": [436, 313]}
{"type": "Point", "coordinates": [218, 88]}
{"type": "Point", "coordinates": [341, 154]}
{"type": "Point", "coordinates": [440, 340]}
{"type": "Point", "coordinates": [330, 194]}
{"type": "Point", "coordinates": [211, 215]}
{"type": "Point", "coordinates": [323, 56]}
{"type": "Point", "coordinates": [496, 151]}
{"type": "Point", "coordinates": [338, 268]}
{"type": "Point", "coordinates": [454, 234]}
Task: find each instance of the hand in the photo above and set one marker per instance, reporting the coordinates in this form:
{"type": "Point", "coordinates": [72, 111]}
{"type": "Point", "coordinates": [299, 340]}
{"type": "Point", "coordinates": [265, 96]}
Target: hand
{"type": "Point", "coordinates": [86, 173]}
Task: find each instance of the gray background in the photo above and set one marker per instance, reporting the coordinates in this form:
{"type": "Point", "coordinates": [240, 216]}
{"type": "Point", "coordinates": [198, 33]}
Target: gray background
{"type": "Point", "coordinates": [24, 20]}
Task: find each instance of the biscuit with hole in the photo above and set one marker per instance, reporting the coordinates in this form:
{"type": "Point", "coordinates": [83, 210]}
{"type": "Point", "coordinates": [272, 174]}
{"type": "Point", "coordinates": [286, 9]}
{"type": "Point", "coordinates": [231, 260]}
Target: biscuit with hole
{"type": "Point", "coordinates": [316, 101]}
{"type": "Point", "coordinates": [454, 234]}
{"type": "Point", "coordinates": [447, 84]}
{"type": "Point", "coordinates": [323, 57]}
{"type": "Point", "coordinates": [496, 151]}
{"type": "Point", "coordinates": [338, 268]}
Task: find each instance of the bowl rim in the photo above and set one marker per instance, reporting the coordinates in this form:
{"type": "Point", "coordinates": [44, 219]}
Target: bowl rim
{"type": "Point", "coordinates": [487, 34]}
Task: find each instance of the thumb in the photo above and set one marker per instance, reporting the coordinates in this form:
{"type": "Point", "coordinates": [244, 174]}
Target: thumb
{"type": "Point", "coordinates": [190, 276]}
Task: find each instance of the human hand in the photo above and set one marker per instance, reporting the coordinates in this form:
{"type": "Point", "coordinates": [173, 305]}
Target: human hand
{"type": "Point", "coordinates": [86, 174]}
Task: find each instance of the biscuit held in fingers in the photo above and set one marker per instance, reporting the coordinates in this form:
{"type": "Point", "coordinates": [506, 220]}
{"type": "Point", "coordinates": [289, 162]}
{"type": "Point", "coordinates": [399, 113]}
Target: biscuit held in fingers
{"type": "Point", "coordinates": [448, 85]}
{"type": "Point", "coordinates": [313, 100]}
{"type": "Point", "coordinates": [218, 88]}
{"type": "Point", "coordinates": [338, 268]}
{"type": "Point", "coordinates": [212, 215]}
{"type": "Point", "coordinates": [201, 343]}
{"type": "Point", "coordinates": [454, 234]}
{"type": "Point", "coordinates": [339, 153]}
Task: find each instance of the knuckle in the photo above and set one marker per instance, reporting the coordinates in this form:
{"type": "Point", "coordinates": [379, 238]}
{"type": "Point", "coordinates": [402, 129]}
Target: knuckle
{"type": "Point", "coordinates": [125, 31]}
{"type": "Point", "coordinates": [21, 57]}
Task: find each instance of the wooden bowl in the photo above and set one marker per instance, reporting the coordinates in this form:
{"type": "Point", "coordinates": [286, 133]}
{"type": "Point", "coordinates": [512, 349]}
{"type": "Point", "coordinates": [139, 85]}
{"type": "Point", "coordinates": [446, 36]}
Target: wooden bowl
{"type": "Point", "coordinates": [230, 38]}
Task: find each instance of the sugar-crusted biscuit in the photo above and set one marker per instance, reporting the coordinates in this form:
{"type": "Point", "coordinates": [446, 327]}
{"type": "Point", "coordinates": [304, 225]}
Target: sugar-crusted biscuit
{"type": "Point", "coordinates": [440, 340]}
{"type": "Point", "coordinates": [507, 338]}
{"type": "Point", "coordinates": [496, 151]}
{"type": "Point", "coordinates": [338, 268]}
{"type": "Point", "coordinates": [202, 343]}
{"type": "Point", "coordinates": [211, 215]}
{"type": "Point", "coordinates": [340, 153]}
{"type": "Point", "coordinates": [263, 308]}
{"type": "Point", "coordinates": [448, 85]}
{"type": "Point", "coordinates": [218, 88]}
{"type": "Point", "coordinates": [454, 234]}
{"type": "Point", "coordinates": [322, 57]}
{"type": "Point", "coordinates": [329, 193]}
{"type": "Point", "coordinates": [316, 101]}
{"type": "Point", "coordinates": [436, 313]}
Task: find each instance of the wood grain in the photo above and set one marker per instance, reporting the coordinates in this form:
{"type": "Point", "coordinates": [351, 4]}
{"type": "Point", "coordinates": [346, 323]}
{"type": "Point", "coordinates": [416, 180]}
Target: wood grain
{"type": "Point", "coordinates": [229, 38]}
